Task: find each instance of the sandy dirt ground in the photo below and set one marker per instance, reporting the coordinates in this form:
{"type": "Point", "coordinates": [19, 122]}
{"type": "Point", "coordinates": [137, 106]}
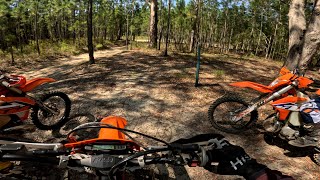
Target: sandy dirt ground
{"type": "Point", "coordinates": [157, 96]}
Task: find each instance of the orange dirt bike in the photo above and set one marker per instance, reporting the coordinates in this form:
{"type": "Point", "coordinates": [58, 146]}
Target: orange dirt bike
{"type": "Point", "coordinates": [109, 151]}
{"type": "Point", "coordinates": [50, 111]}
{"type": "Point", "coordinates": [232, 113]}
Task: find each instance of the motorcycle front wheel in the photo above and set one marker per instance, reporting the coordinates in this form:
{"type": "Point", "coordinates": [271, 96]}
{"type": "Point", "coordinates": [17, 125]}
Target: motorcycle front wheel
{"type": "Point", "coordinates": [222, 111]}
{"type": "Point", "coordinates": [54, 113]}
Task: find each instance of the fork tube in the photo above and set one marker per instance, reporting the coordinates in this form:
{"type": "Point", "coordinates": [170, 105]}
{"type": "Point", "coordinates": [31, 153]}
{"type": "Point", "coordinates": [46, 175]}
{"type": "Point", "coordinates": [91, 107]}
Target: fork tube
{"type": "Point", "coordinates": [278, 93]}
{"type": "Point", "coordinates": [260, 103]}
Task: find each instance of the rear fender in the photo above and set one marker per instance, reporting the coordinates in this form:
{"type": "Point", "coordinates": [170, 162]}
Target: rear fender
{"type": "Point", "coordinates": [252, 85]}
{"type": "Point", "coordinates": [33, 83]}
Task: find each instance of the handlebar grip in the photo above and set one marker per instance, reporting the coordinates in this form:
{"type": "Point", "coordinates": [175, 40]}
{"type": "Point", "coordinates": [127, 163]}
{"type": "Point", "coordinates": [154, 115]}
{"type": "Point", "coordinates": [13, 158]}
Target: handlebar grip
{"type": "Point", "coordinates": [49, 152]}
{"type": "Point", "coordinates": [16, 157]}
{"type": "Point", "coordinates": [186, 147]}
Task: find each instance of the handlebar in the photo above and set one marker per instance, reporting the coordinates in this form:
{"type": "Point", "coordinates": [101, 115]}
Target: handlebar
{"type": "Point", "coordinates": [176, 154]}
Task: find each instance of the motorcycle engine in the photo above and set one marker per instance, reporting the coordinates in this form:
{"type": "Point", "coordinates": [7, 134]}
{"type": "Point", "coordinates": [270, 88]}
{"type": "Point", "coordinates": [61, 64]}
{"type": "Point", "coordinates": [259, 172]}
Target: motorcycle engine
{"type": "Point", "coordinates": [271, 124]}
{"type": "Point", "coordinates": [288, 133]}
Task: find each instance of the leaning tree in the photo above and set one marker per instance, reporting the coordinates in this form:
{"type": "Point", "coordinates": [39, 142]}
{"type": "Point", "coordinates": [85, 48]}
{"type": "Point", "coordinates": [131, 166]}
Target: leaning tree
{"type": "Point", "coordinates": [304, 38]}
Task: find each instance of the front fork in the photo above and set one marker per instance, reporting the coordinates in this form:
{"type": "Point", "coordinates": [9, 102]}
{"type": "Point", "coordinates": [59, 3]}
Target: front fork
{"type": "Point", "coordinates": [258, 104]}
{"type": "Point", "coordinates": [41, 105]}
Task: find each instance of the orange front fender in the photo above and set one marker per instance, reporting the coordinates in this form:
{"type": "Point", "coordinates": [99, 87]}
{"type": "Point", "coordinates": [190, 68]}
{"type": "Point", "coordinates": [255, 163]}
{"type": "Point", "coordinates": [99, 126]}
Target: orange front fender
{"type": "Point", "coordinates": [252, 85]}
{"type": "Point", "coordinates": [33, 83]}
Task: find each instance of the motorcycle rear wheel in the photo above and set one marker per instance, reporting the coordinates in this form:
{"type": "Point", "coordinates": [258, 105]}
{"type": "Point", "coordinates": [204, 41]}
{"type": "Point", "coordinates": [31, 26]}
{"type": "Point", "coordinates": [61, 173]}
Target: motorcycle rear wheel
{"type": "Point", "coordinates": [45, 120]}
{"type": "Point", "coordinates": [223, 109]}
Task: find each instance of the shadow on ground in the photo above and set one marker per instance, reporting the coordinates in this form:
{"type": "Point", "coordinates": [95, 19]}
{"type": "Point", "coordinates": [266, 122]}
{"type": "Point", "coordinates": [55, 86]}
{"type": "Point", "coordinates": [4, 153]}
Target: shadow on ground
{"type": "Point", "coordinates": [156, 95]}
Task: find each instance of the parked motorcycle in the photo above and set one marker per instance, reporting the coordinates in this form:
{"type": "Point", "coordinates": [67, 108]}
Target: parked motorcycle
{"type": "Point", "coordinates": [109, 151]}
{"type": "Point", "coordinates": [233, 114]}
{"type": "Point", "coordinates": [49, 112]}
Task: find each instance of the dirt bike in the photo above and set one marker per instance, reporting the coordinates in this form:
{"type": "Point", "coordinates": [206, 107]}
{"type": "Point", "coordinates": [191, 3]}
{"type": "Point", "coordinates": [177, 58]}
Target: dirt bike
{"type": "Point", "coordinates": [108, 151]}
{"type": "Point", "coordinates": [233, 114]}
{"type": "Point", "coordinates": [50, 111]}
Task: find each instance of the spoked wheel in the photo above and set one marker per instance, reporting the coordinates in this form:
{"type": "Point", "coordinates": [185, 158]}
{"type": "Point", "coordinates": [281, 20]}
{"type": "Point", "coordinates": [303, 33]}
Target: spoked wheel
{"type": "Point", "coordinates": [222, 112]}
{"type": "Point", "coordinates": [54, 113]}
{"type": "Point", "coordinates": [74, 121]}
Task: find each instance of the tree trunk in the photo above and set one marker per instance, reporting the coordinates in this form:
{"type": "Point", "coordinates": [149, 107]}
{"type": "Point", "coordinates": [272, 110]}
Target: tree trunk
{"type": "Point", "coordinates": [131, 31]}
{"type": "Point", "coordinates": [120, 20]}
{"type": "Point", "coordinates": [89, 32]}
{"type": "Point", "coordinates": [168, 29]}
{"type": "Point", "coordinates": [153, 23]}
{"type": "Point", "coordinates": [127, 28]}
{"type": "Point", "coordinates": [297, 26]}
{"type": "Point", "coordinates": [73, 21]}
{"type": "Point", "coordinates": [12, 57]}
{"type": "Point", "coordinates": [259, 40]}
{"type": "Point", "coordinates": [311, 39]}
{"type": "Point", "coordinates": [194, 28]}
{"type": "Point", "coordinates": [161, 25]}
{"type": "Point", "coordinates": [230, 39]}
{"type": "Point", "coordinates": [36, 28]}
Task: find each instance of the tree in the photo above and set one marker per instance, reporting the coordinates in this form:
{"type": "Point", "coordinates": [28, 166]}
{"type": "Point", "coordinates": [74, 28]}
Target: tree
{"type": "Point", "coordinates": [168, 29]}
{"type": "Point", "coordinates": [304, 41]}
{"type": "Point", "coordinates": [89, 32]}
{"type": "Point", "coordinates": [297, 25]}
{"type": "Point", "coordinates": [153, 29]}
{"type": "Point", "coordinates": [8, 36]}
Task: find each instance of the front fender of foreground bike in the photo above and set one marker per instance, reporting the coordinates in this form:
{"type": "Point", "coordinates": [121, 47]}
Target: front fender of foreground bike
{"type": "Point", "coordinates": [33, 83]}
{"type": "Point", "coordinates": [252, 85]}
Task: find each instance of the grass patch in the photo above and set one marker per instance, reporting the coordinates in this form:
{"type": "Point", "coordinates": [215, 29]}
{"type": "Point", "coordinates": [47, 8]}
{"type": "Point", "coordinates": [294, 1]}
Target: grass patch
{"type": "Point", "coordinates": [219, 73]}
{"type": "Point", "coordinates": [182, 75]}
{"type": "Point", "coordinates": [50, 50]}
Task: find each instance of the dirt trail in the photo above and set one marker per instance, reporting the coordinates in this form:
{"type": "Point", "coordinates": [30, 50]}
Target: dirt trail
{"type": "Point", "coordinates": [157, 96]}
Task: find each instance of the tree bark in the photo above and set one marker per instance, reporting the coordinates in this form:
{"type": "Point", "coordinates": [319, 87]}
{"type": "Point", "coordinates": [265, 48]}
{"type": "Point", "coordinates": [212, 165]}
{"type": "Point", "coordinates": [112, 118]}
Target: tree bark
{"type": "Point", "coordinates": [297, 26]}
{"type": "Point", "coordinates": [131, 31]}
{"type": "Point", "coordinates": [153, 23]}
{"type": "Point", "coordinates": [311, 39]}
{"type": "Point", "coordinates": [89, 32]}
{"type": "Point", "coordinates": [161, 25]}
{"type": "Point", "coordinates": [259, 40]}
{"type": "Point", "coordinates": [12, 57]}
{"type": "Point", "coordinates": [194, 28]}
{"type": "Point", "coordinates": [127, 28]}
{"type": "Point", "coordinates": [36, 28]}
{"type": "Point", "coordinates": [168, 29]}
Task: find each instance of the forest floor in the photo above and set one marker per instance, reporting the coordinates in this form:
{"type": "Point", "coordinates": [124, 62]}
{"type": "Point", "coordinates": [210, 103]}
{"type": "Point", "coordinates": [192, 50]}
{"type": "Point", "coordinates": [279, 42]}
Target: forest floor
{"type": "Point", "coordinates": [157, 96]}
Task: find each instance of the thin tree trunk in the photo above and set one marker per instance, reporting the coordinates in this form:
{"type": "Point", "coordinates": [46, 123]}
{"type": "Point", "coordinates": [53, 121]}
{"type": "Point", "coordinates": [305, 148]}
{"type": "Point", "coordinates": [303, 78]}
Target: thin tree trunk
{"type": "Point", "coordinates": [250, 40]}
{"type": "Point", "coordinates": [224, 35]}
{"type": "Point", "coordinates": [230, 39]}
{"type": "Point", "coordinates": [131, 31]}
{"type": "Point", "coordinates": [194, 29]}
{"type": "Point", "coordinates": [259, 40]}
{"type": "Point", "coordinates": [89, 32]}
{"type": "Point", "coordinates": [119, 34]}
{"type": "Point", "coordinates": [274, 39]}
{"type": "Point", "coordinates": [161, 26]}
{"type": "Point", "coordinates": [168, 29]}
{"type": "Point", "coordinates": [36, 28]}
{"type": "Point", "coordinates": [127, 30]}
{"type": "Point", "coordinates": [73, 21]}
{"type": "Point", "coordinates": [12, 58]}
